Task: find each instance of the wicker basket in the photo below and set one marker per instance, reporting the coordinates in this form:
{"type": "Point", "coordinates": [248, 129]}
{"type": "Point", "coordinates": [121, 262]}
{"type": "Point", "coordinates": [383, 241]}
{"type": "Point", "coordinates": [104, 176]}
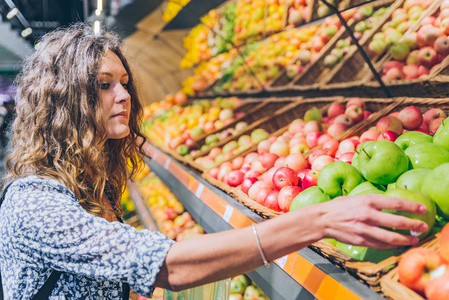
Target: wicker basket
{"type": "Point", "coordinates": [393, 289]}
{"type": "Point", "coordinates": [434, 85]}
{"type": "Point", "coordinates": [354, 71]}
{"type": "Point", "coordinates": [367, 272]}
{"type": "Point", "coordinates": [310, 78]}
{"type": "Point", "coordinates": [263, 110]}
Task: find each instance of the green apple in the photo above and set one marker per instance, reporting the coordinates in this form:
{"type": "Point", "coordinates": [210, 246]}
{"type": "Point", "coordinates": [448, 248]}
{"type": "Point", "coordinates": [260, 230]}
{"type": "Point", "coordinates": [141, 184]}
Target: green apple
{"type": "Point", "coordinates": [381, 162]}
{"type": "Point", "coordinates": [331, 241]}
{"type": "Point", "coordinates": [368, 254]}
{"type": "Point", "coordinates": [441, 137]}
{"type": "Point", "coordinates": [417, 196]}
{"type": "Point", "coordinates": [427, 156]}
{"type": "Point", "coordinates": [391, 186]}
{"type": "Point", "coordinates": [313, 114]}
{"type": "Point", "coordinates": [182, 150]}
{"type": "Point", "coordinates": [211, 139]}
{"type": "Point", "coordinates": [253, 293]}
{"type": "Point", "coordinates": [338, 179]}
{"type": "Point", "coordinates": [232, 145]}
{"type": "Point", "coordinates": [309, 196]}
{"type": "Point", "coordinates": [411, 138]}
{"type": "Point", "coordinates": [366, 188]}
{"type": "Point", "coordinates": [436, 185]}
{"type": "Point", "coordinates": [239, 284]}
{"type": "Point", "coordinates": [258, 135]}
{"type": "Point", "coordinates": [412, 179]}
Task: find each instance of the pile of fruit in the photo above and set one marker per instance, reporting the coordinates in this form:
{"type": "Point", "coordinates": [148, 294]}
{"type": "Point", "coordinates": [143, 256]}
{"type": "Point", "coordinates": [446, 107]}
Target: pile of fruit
{"type": "Point", "coordinates": [177, 127]}
{"type": "Point", "coordinates": [242, 288]}
{"type": "Point", "coordinates": [171, 218]}
{"type": "Point", "coordinates": [418, 53]}
{"type": "Point", "coordinates": [426, 271]}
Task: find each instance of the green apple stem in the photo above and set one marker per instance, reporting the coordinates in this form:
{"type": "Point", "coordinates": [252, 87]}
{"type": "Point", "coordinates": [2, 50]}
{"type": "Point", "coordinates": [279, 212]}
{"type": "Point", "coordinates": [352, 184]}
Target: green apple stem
{"type": "Point", "coordinates": [366, 153]}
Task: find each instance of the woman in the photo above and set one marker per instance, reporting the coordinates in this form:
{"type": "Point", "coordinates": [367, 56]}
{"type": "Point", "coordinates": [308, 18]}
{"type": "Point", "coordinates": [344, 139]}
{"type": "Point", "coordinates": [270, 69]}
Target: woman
{"type": "Point", "coordinates": [77, 126]}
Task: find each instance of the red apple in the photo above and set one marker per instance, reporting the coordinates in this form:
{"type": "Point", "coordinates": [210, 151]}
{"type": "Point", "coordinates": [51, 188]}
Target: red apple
{"type": "Point", "coordinates": [280, 161]}
{"type": "Point", "coordinates": [335, 109]}
{"type": "Point", "coordinates": [268, 160]}
{"type": "Point", "coordinates": [427, 57]}
{"type": "Point", "coordinates": [331, 147]}
{"type": "Point", "coordinates": [438, 288]}
{"type": "Point", "coordinates": [312, 139]}
{"type": "Point", "coordinates": [285, 176]}
{"type": "Point", "coordinates": [369, 135]}
{"type": "Point", "coordinates": [315, 154]}
{"type": "Point", "coordinates": [324, 138]}
{"type": "Point", "coordinates": [237, 162]}
{"type": "Point", "coordinates": [444, 243]}
{"type": "Point", "coordinates": [344, 119]}
{"type": "Point", "coordinates": [322, 161]}
{"type": "Point", "coordinates": [214, 172]}
{"type": "Point", "coordinates": [286, 195]}
{"type": "Point", "coordinates": [415, 267]}
{"type": "Point", "coordinates": [356, 101]}
{"type": "Point", "coordinates": [310, 179]}
{"type": "Point", "coordinates": [394, 74]}
{"type": "Point", "coordinates": [271, 201]}
{"type": "Point", "coordinates": [433, 113]}
{"type": "Point", "coordinates": [392, 64]}
{"type": "Point", "coordinates": [336, 129]}
{"type": "Point", "coordinates": [296, 161]}
{"type": "Point", "coordinates": [411, 117]}
{"type": "Point", "coordinates": [348, 145]}
{"type": "Point", "coordinates": [432, 34]}
{"type": "Point", "coordinates": [346, 157]}
{"type": "Point", "coordinates": [355, 112]}
{"type": "Point", "coordinates": [388, 135]}
{"type": "Point", "coordinates": [256, 188]}
{"type": "Point", "coordinates": [389, 123]}
{"type": "Point", "coordinates": [250, 157]}
{"type": "Point", "coordinates": [434, 125]}
{"type": "Point", "coordinates": [312, 126]}
{"type": "Point", "coordinates": [410, 71]}
{"type": "Point", "coordinates": [234, 178]}
{"type": "Point", "coordinates": [442, 45]}
{"type": "Point", "coordinates": [263, 146]}
{"type": "Point", "coordinates": [247, 183]}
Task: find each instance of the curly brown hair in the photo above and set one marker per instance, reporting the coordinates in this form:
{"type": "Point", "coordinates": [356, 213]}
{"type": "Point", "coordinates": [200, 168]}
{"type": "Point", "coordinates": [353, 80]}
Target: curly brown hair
{"type": "Point", "coordinates": [56, 131]}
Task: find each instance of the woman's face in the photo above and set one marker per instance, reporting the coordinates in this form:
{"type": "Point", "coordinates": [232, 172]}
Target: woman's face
{"type": "Point", "coordinates": [114, 98]}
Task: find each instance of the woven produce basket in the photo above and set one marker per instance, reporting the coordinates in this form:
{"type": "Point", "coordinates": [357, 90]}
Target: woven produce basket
{"type": "Point", "coordinates": [310, 78]}
{"type": "Point", "coordinates": [354, 71]}
{"type": "Point", "coordinates": [279, 119]}
{"type": "Point", "coordinates": [246, 107]}
{"type": "Point", "coordinates": [380, 107]}
{"type": "Point", "coordinates": [393, 289]}
{"type": "Point", "coordinates": [282, 82]}
{"type": "Point", "coordinates": [262, 111]}
{"type": "Point", "coordinates": [433, 85]}
{"type": "Point", "coordinates": [367, 272]}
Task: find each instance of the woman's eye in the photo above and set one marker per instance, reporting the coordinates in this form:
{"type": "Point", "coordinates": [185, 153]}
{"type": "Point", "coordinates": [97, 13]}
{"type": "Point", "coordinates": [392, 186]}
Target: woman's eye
{"type": "Point", "coordinates": [125, 86]}
{"type": "Point", "coordinates": [104, 86]}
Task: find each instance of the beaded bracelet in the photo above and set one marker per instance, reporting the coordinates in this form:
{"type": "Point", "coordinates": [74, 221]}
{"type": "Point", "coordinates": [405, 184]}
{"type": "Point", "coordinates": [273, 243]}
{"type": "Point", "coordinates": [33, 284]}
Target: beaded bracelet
{"type": "Point", "coordinates": [265, 262]}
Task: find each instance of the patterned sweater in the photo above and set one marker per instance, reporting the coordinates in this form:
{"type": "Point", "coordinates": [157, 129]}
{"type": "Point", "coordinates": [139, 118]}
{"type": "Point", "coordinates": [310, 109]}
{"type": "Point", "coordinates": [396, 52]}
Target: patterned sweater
{"type": "Point", "coordinates": [43, 227]}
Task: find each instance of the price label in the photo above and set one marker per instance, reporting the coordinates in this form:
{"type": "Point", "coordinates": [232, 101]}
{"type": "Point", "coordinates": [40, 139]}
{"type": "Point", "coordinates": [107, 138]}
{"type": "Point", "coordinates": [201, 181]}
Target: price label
{"type": "Point", "coordinates": [199, 190]}
{"type": "Point", "coordinates": [228, 213]}
{"type": "Point", "coordinates": [281, 261]}
{"type": "Point", "coordinates": [167, 163]}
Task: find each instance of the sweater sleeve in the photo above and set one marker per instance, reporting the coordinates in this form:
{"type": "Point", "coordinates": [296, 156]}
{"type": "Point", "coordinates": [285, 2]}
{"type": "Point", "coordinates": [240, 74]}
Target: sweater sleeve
{"type": "Point", "coordinates": [49, 229]}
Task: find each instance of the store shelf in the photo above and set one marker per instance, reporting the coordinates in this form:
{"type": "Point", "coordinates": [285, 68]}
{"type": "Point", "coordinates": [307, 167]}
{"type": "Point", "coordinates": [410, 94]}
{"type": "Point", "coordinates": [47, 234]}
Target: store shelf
{"type": "Point", "coordinates": [300, 275]}
{"type": "Point", "coordinates": [145, 217]}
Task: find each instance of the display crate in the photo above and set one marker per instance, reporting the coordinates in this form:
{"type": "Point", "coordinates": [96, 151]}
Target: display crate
{"type": "Point", "coordinates": [393, 289]}
{"type": "Point", "coordinates": [264, 108]}
{"type": "Point", "coordinates": [354, 71]}
{"type": "Point", "coordinates": [380, 106]}
{"type": "Point", "coordinates": [435, 84]}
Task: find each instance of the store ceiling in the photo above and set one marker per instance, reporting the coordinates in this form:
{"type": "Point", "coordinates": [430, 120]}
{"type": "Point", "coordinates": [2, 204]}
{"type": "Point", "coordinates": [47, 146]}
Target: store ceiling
{"type": "Point", "coordinates": [157, 53]}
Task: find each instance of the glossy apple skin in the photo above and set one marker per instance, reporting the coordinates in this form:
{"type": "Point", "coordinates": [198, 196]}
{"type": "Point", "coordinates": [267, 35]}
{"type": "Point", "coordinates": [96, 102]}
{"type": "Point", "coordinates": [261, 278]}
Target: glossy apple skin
{"type": "Point", "coordinates": [339, 179]}
{"type": "Point", "coordinates": [438, 288]}
{"type": "Point", "coordinates": [285, 176]}
{"type": "Point", "coordinates": [415, 267]}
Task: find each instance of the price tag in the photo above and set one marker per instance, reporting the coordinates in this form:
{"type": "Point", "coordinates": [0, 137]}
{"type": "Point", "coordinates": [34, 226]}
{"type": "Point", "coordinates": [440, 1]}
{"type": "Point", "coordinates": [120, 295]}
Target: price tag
{"type": "Point", "coordinates": [281, 261]}
{"type": "Point", "coordinates": [199, 190]}
{"type": "Point", "coordinates": [228, 213]}
{"type": "Point", "coordinates": [167, 163]}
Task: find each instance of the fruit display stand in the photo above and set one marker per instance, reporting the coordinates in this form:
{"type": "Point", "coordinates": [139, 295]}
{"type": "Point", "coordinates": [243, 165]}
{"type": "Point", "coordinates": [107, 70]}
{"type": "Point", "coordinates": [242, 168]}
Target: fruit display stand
{"type": "Point", "coordinates": [310, 77]}
{"type": "Point", "coordinates": [300, 275]}
{"type": "Point", "coordinates": [353, 71]}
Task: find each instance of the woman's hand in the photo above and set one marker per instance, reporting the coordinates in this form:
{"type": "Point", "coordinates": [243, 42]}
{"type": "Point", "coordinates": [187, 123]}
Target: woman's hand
{"type": "Point", "coordinates": [356, 220]}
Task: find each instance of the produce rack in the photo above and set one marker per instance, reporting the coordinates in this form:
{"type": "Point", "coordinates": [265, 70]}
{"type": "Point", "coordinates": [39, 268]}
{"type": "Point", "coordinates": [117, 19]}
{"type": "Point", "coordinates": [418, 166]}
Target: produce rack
{"type": "Point", "coordinates": [299, 275]}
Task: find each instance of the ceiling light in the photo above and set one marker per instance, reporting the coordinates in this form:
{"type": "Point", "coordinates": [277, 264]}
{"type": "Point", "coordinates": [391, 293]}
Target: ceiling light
{"type": "Point", "coordinates": [26, 32]}
{"type": "Point", "coordinates": [97, 27]}
{"type": "Point", "coordinates": [12, 13]}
